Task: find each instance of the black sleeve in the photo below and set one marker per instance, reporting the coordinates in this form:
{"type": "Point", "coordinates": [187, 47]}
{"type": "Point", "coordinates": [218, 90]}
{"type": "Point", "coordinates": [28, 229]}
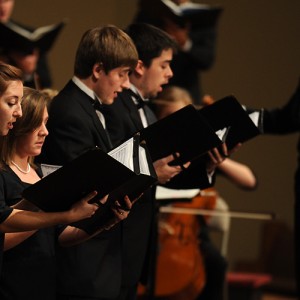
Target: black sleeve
{"type": "Point", "coordinates": [5, 210]}
{"type": "Point", "coordinates": [285, 119]}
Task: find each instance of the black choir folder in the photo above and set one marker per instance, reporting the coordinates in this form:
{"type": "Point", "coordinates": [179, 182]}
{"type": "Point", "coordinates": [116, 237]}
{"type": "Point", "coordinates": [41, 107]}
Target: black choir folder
{"type": "Point", "coordinates": [14, 36]}
{"type": "Point", "coordinates": [184, 131]}
{"type": "Point", "coordinates": [199, 15]}
{"type": "Point", "coordinates": [126, 170]}
{"type": "Point", "coordinates": [228, 117]}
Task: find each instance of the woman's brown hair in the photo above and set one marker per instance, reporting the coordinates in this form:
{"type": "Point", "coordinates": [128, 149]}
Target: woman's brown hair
{"type": "Point", "coordinates": [33, 105]}
{"type": "Point", "coordinates": [8, 73]}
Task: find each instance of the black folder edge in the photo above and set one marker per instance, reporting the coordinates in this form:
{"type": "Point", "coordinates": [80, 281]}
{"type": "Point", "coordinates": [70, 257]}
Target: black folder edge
{"type": "Point", "coordinates": [162, 139]}
{"type": "Point", "coordinates": [228, 112]}
{"type": "Point", "coordinates": [12, 39]}
{"type": "Point", "coordinates": [199, 18]}
{"type": "Point", "coordinates": [136, 144]}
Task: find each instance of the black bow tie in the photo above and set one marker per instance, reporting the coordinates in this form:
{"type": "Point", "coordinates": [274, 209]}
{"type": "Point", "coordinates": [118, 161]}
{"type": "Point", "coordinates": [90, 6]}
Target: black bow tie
{"type": "Point", "coordinates": [140, 103]}
{"type": "Point", "coordinates": [98, 106]}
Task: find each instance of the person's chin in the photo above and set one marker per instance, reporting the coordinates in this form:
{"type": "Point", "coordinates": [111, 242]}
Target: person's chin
{"type": "Point", "coordinates": [4, 132]}
{"type": "Point", "coordinates": [106, 100]}
{"type": "Point", "coordinates": [110, 101]}
{"type": "Point", "coordinates": [153, 94]}
{"type": "Point", "coordinates": [113, 99]}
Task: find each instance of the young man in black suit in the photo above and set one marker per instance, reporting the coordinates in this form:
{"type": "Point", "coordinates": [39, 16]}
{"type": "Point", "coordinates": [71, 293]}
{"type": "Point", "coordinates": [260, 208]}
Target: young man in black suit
{"type": "Point", "coordinates": [103, 61]}
{"type": "Point", "coordinates": [196, 45]}
{"type": "Point", "coordinates": [104, 58]}
{"type": "Point", "coordinates": [127, 115]}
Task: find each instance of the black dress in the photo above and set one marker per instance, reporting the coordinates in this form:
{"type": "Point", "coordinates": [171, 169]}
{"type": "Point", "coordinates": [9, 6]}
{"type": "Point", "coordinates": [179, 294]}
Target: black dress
{"type": "Point", "coordinates": [28, 270]}
{"type": "Point", "coordinates": [5, 211]}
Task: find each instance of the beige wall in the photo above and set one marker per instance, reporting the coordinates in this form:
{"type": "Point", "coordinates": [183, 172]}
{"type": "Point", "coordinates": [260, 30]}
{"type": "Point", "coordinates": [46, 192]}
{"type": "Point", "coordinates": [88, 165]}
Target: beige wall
{"type": "Point", "coordinates": [257, 61]}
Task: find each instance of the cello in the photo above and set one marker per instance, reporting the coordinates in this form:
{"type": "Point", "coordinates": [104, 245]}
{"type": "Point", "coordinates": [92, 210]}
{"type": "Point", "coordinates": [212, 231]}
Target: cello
{"type": "Point", "coordinates": [180, 267]}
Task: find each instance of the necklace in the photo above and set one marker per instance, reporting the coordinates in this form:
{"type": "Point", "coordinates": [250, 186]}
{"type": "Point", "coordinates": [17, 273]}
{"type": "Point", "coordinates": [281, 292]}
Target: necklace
{"type": "Point", "coordinates": [20, 169]}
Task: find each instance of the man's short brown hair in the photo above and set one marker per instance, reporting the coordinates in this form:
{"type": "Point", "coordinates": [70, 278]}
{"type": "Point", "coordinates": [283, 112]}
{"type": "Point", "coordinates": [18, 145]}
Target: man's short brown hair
{"type": "Point", "coordinates": [109, 46]}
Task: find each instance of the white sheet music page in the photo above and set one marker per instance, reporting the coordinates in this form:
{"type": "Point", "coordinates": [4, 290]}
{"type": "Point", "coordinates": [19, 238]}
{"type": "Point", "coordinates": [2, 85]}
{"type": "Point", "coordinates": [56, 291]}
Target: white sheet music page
{"type": "Point", "coordinates": [48, 169]}
{"type": "Point", "coordinates": [221, 133]}
{"type": "Point", "coordinates": [163, 193]}
{"type": "Point", "coordinates": [124, 153]}
{"type": "Point", "coordinates": [144, 167]}
{"type": "Point", "coordinates": [254, 116]}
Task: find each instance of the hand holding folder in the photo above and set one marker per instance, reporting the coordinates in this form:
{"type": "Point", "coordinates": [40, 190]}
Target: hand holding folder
{"type": "Point", "coordinates": [126, 170]}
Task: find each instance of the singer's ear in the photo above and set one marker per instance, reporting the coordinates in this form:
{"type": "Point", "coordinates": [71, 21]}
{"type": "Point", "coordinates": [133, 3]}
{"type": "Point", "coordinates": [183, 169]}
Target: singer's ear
{"type": "Point", "coordinates": [97, 70]}
{"type": "Point", "coordinates": [140, 68]}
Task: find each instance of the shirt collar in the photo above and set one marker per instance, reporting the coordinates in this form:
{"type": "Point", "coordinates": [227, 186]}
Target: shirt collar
{"type": "Point", "coordinates": [85, 88]}
{"type": "Point", "coordinates": [136, 91]}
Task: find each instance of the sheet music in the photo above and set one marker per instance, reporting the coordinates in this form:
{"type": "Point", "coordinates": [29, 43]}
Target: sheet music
{"type": "Point", "coordinates": [144, 167]}
{"type": "Point", "coordinates": [179, 9]}
{"type": "Point", "coordinates": [124, 153]}
{"type": "Point", "coordinates": [165, 193]}
{"type": "Point", "coordinates": [48, 169]}
{"type": "Point", "coordinates": [254, 116]}
{"type": "Point", "coordinates": [221, 133]}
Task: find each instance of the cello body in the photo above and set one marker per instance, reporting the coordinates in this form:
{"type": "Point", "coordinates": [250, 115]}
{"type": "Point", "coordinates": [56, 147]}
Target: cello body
{"type": "Point", "coordinates": [180, 268]}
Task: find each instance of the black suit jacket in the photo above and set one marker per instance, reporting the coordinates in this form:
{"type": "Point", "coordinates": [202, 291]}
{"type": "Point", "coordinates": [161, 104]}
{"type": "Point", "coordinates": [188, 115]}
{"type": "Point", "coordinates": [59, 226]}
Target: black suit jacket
{"type": "Point", "coordinates": [285, 119]}
{"type": "Point", "coordinates": [122, 118]}
{"type": "Point", "coordinates": [122, 121]}
{"type": "Point", "coordinates": [73, 125]}
{"type": "Point", "coordinates": [91, 269]}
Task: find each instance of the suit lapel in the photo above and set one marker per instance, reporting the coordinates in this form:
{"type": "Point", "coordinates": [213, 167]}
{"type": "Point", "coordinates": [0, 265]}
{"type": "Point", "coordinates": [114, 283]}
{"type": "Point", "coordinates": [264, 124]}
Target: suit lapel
{"type": "Point", "coordinates": [86, 103]}
{"type": "Point", "coordinates": [133, 111]}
